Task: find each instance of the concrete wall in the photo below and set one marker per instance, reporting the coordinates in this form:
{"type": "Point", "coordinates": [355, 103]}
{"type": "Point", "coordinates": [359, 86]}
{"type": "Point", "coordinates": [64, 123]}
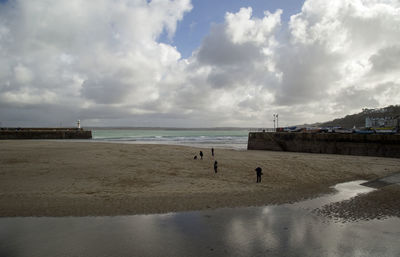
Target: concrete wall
{"type": "Point", "coordinates": [46, 134]}
{"type": "Point", "coordinates": [335, 143]}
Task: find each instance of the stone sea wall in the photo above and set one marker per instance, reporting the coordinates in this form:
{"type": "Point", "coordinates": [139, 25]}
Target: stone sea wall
{"type": "Point", "coordinates": [329, 143]}
{"type": "Point", "coordinates": [45, 133]}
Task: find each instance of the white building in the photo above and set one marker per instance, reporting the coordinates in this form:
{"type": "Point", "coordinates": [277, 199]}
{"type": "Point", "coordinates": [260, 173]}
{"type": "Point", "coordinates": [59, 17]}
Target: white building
{"type": "Point", "coordinates": [380, 122]}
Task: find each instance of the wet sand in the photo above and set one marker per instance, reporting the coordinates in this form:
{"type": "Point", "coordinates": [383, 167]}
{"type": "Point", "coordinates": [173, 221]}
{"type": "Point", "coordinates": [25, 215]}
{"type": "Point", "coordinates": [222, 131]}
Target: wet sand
{"type": "Point", "coordinates": [53, 178]}
{"type": "Point", "coordinates": [280, 230]}
{"type": "Point", "coordinates": [379, 204]}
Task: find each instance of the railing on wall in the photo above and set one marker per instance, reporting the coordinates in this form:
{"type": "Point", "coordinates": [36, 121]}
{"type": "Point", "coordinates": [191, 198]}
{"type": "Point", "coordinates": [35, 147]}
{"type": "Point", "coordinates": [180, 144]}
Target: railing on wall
{"type": "Point", "coordinates": [262, 130]}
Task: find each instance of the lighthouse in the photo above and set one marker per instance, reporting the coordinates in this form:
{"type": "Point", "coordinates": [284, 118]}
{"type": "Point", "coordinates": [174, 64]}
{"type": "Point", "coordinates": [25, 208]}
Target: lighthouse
{"type": "Point", "coordinates": [78, 123]}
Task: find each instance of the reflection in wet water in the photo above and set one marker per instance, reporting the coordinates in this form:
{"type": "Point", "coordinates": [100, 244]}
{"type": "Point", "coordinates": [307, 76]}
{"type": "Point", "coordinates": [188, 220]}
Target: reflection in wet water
{"type": "Point", "coordinates": [285, 230]}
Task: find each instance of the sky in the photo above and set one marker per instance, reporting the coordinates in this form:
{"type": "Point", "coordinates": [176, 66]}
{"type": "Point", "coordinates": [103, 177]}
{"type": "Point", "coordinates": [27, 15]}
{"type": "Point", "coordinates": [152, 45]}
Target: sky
{"type": "Point", "coordinates": [199, 63]}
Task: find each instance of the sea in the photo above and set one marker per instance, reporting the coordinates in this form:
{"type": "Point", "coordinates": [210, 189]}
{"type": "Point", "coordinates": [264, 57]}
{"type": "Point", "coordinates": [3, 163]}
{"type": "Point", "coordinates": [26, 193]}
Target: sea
{"type": "Point", "coordinates": [217, 138]}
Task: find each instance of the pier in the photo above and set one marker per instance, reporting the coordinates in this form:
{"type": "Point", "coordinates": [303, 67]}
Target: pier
{"type": "Point", "coordinates": [44, 133]}
{"type": "Point", "coordinates": [328, 143]}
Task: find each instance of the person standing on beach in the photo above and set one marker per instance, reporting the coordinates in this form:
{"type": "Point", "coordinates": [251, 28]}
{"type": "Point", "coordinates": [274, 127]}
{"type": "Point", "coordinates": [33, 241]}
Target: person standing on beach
{"type": "Point", "coordinates": [259, 173]}
{"type": "Point", "coordinates": [201, 155]}
{"type": "Point", "coordinates": [215, 166]}
{"type": "Point", "coordinates": [212, 151]}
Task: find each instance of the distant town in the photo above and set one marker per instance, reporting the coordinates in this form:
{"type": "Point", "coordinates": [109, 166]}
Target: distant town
{"type": "Point", "coordinates": [370, 121]}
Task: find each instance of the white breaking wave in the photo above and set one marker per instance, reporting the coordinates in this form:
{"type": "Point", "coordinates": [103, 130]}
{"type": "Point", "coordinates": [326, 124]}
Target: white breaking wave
{"type": "Point", "coordinates": [219, 139]}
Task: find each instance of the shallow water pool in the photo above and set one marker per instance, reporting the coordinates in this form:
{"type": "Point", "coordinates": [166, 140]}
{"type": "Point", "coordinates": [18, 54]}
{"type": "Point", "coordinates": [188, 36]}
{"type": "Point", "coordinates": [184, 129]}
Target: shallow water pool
{"type": "Point", "coordinates": [284, 230]}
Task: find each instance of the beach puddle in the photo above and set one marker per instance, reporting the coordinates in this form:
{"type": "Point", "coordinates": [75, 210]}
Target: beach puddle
{"type": "Point", "coordinates": [343, 191]}
{"type": "Point", "coordinates": [283, 230]}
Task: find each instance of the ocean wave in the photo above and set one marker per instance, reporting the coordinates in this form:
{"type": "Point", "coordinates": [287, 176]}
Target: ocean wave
{"type": "Point", "coordinates": [224, 139]}
{"type": "Point", "coordinates": [178, 139]}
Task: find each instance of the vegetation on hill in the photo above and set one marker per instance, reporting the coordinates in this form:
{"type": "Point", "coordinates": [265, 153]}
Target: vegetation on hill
{"type": "Point", "coordinates": [358, 119]}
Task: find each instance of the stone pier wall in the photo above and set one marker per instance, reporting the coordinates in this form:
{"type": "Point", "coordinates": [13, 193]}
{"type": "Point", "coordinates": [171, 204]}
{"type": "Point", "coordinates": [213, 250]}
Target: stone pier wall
{"type": "Point", "coordinates": [45, 133]}
{"type": "Point", "coordinates": [335, 143]}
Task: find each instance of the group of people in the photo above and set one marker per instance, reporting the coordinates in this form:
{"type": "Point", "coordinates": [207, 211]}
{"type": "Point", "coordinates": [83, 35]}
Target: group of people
{"type": "Point", "coordinates": [212, 154]}
{"type": "Point", "coordinates": [258, 169]}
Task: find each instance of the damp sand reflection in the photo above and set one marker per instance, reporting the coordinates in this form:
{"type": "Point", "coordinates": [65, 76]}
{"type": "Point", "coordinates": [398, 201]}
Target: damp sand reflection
{"type": "Point", "coordinates": [284, 230]}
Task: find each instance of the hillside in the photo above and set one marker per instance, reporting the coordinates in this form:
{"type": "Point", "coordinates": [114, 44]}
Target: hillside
{"type": "Point", "coordinates": [358, 119]}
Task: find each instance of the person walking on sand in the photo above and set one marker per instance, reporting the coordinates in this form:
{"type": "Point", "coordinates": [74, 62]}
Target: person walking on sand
{"type": "Point", "coordinates": [259, 173]}
{"type": "Point", "coordinates": [201, 155]}
{"type": "Point", "coordinates": [215, 166]}
{"type": "Point", "coordinates": [212, 151]}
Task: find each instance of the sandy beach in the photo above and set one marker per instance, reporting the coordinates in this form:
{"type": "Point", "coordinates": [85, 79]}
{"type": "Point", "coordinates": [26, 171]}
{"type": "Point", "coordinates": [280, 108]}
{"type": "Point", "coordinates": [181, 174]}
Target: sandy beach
{"type": "Point", "coordinates": [55, 178]}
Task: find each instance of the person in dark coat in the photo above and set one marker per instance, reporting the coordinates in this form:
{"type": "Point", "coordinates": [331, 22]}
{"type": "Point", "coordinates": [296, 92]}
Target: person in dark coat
{"type": "Point", "coordinates": [212, 151]}
{"type": "Point", "coordinates": [259, 173]}
{"type": "Point", "coordinates": [216, 166]}
{"type": "Point", "coordinates": [201, 155]}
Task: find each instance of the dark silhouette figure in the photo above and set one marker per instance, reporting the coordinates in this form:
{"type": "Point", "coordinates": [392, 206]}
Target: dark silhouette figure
{"type": "Point", "coordinates": [216, 166]}
{"type": "Point", "coordinates": [201, 155]}
{"type": "Point", "coordinates": [259, 173]}
{"type": "Point", "coordinates": [195, 157]}
{"type": "Point", "coordinates": [212, 152]}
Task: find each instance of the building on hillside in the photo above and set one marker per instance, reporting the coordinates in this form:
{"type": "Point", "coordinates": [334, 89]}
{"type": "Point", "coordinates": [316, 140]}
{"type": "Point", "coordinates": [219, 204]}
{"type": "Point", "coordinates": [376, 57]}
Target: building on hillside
{"type": "Point", "coordinates": [380, 122]}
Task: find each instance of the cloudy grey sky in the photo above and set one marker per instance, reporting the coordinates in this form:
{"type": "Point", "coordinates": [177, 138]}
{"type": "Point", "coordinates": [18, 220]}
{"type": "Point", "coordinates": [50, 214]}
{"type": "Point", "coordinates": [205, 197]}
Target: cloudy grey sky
{"type": "Point", "coordinates": [162, 63]}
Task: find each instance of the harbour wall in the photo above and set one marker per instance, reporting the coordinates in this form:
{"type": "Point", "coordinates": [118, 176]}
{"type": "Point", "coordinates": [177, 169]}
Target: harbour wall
{"type": "Point", "coordinates": [328, 143]}
{"type": "Point", "coordinates": [45, 133]}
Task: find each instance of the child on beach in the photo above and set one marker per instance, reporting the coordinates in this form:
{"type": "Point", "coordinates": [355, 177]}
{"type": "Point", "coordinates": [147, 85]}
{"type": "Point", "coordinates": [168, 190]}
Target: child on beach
{"type": "Point", "coordinates": [215, 166]}
{"type": "Point", "coordinates": [201, 155]}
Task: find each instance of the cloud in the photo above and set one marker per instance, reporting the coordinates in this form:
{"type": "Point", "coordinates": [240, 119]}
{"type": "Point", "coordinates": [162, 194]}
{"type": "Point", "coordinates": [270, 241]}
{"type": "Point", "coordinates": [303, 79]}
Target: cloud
{"type": "Point", "coordinates": [242, 27]}
{"type": "Point", "coordinates": [386, 59]}
{"type": "Point", "coordinates": [308, 72]}
{"type": "Point", "coordinates": [325, 63]}
{"type": "Point", "coordinates": [22, 74]}
{"type": "Point", "coordinates": [86, 54]}
{"type": "Point", "coordinates": [335, 47]}
{"type": "Point", "coordinates": [100, 90]}
{"type": "Point", "coordinates": [218, 50]}
{"type": "Point", "coordinates": [102, 62]}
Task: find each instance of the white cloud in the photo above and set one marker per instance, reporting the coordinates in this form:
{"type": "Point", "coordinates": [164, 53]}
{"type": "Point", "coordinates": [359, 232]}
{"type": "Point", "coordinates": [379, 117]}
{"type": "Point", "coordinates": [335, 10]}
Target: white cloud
{"type": "Point", "coordinates": [101, 61]}
{"type": "Point", "coordinates": [86, 53]}
{"type": "Point", "coordinates": [336, 47]}
{"type": "Point", "coordinates": [334, 51]}
{"type": "Point", "coordinates": [241, 27]}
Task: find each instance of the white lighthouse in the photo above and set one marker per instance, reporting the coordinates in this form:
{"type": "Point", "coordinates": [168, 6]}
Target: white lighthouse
{"type": "Point", "coordinates": [78, 123]}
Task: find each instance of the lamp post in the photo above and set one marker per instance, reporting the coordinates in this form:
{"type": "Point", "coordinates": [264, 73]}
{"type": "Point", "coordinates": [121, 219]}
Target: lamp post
{"type": "Point", "coordinates": [276, 118]}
